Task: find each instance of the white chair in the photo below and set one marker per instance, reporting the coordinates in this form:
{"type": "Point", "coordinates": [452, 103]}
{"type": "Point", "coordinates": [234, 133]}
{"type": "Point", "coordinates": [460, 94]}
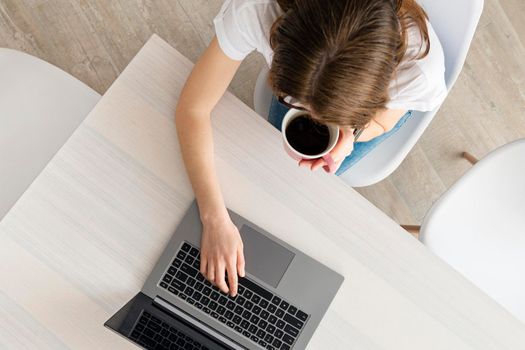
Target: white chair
{"type": "Point", "coordinates": [455, 22]}
{"type": "Point", "coordinates": [40, 107]}
{"type": "Point", "coordinates": [478, 226]}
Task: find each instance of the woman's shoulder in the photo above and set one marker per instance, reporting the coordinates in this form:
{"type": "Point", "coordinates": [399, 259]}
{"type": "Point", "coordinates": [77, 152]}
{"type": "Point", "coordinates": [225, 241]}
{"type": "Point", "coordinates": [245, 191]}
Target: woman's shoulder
{"type": "Point", "coordinates": [242, 26]}
{"type": "Point", "coordinates": [419, 83]}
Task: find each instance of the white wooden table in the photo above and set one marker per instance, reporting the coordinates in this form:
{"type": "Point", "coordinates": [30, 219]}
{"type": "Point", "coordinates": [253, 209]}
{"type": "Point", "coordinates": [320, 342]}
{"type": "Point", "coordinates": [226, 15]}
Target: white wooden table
{"type": "Point", "coordinates": [82, 239]}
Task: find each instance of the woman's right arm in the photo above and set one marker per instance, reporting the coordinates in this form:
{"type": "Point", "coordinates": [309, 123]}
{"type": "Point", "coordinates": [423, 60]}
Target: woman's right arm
{"type": "Point", "coordinates": [221, 244]}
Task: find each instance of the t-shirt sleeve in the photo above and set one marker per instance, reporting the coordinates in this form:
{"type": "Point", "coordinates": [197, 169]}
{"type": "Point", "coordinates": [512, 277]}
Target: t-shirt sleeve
{"type": "Point", "coordinates": [229, 30]}
{"type": "Point", "coordinates": [415, 90]}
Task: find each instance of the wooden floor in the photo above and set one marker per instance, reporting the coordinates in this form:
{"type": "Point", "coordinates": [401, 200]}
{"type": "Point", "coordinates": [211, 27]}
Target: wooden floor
{"type": "Point", "coordinates": [95, 39]}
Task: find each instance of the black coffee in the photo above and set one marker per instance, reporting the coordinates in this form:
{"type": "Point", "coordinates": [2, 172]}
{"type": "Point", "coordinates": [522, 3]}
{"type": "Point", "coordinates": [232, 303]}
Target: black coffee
{"type": "Point", "coordinates": [307, 136]}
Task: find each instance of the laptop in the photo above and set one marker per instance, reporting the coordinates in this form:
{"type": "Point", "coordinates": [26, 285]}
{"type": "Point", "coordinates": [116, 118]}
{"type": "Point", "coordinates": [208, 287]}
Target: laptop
{"type": "Point", "coordinates": [279, 303]}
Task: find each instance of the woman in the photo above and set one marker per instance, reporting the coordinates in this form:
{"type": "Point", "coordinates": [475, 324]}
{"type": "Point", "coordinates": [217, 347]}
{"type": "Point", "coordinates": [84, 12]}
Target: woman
{"type": "Point", "coordinates": [363, 65]}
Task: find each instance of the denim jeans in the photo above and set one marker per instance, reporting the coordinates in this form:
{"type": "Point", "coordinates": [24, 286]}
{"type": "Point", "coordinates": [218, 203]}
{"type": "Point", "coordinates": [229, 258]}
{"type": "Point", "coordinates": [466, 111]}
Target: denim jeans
{"type": "Point", "coordinates": [361, 149]}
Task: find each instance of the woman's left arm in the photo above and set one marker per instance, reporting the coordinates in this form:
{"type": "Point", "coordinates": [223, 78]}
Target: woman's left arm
{"type": "Point", "coordinates": [384, 121]}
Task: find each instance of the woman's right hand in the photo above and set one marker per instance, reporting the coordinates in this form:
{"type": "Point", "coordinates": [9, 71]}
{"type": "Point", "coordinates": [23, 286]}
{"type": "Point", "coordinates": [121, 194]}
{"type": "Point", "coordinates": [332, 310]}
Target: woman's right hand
{"type": "Point", "coordinates": [222, 252]}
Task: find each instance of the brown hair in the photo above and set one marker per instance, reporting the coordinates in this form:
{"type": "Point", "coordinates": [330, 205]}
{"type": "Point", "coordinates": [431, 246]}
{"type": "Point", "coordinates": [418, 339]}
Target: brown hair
{"type": "Point", "coordinates": [339, 56]}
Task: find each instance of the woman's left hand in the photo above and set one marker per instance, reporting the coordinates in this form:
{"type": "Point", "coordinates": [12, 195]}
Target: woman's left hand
{"type": "Point", "coordinates": [343, 148]}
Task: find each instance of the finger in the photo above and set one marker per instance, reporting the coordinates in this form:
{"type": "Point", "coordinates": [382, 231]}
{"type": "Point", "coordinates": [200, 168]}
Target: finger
{"type": "Point", "coordinates": [232, 276]}
{"type": "Point", "coordinates": [304, 163]}
{"type": "Point", "coordinates": [240, 262]}
{"type": "Point", "coordinates": [318, 163]}
{"type": "Point", "coordinates": [210, 275]}
{"type": "Point", "coordinates": [220, 281]}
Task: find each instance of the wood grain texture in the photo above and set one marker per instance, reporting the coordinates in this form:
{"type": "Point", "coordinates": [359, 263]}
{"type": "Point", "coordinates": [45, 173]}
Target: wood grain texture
{"type": "Point", "coordinates": [82, 239]}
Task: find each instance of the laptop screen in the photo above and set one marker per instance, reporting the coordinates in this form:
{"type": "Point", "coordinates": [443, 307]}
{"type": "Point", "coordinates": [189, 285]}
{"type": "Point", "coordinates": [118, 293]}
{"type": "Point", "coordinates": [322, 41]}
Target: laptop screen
{"type": "Point", "coordinates": [150, 327]}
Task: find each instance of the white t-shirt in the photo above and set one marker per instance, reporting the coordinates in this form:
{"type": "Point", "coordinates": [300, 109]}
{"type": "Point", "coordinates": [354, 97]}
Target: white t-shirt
{"type": "Point", "coordinates": [243, 26]}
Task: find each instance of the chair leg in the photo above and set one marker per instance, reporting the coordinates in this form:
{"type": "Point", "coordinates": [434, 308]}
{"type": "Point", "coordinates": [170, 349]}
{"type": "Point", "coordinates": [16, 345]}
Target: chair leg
{"type": "Point", "coordinates": [472, 160]}
{"type": "Point", "coordinates": [412, 229]}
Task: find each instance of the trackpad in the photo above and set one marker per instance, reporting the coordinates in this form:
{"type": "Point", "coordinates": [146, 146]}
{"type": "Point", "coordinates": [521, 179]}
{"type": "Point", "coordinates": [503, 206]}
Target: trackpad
{"type": "Point", "coordinates": [265, 259]}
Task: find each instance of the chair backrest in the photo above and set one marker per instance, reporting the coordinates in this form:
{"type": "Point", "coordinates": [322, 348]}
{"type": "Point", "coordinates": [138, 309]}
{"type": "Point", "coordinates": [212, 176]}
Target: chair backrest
{"type": "Point", "coordinates": [454, 22]}
{"type": "Point", "coordinates": [40, 107]}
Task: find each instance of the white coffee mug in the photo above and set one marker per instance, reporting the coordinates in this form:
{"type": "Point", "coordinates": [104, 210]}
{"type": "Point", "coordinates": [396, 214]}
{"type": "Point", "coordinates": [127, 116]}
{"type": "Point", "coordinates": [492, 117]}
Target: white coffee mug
{"type": "Point", "coordinates": [295, 154]}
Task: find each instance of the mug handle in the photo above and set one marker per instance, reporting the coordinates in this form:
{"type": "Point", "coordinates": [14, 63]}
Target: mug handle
{"type": "Point", "coordinates": [330, 166]}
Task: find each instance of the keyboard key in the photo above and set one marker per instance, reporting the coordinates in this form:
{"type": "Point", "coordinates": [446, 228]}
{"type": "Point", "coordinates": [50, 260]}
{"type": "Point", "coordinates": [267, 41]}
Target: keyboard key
{"type": "Point", "coordinates": [221, 310]}
{"type": "Point", "coordinates": [230, 324]}
{"type": "Point", "coordinates": [197, 296]}
{"type": "Point", "coordinates": [287, 339]}
{"type": "Point", "coordinates": [252, 328]}
{"type": "Point", "coordinates": [214, 314]}
{"type": "Point", "coordinates": [248, 305]}
{"type": "Point", "coordinates": [292, 310]}
{"type": "Point", "coordinates": [280, 324]}
{"type": "Point", "coordinates": [262, 343]}
{"type": "Point", "coordinates": [163, 284]}
{"type": "Point", "coordinates": [230, 305]}
{"type": "Point", "coordinates": [301, 315]}
{"type": "Point", "coordinates": [181, 276]}
{"type": "Point", "coordinates": [291, 330]}
{"type": "Point", "coordinates": [284, 305]}
{"type": "Point", "coordinates": [246, 334]}
{"type": "Point", "coordinates": [247, 314]}
{"type": "Point", "coordinates": [272, 308]}
{"type": "Point", "coordinates": [276, 300]}
{"type": "Point", "coordinates": [199, 287]}
{"type": "Point", "coordinates": [207, 310]}
{"type": "Point", "coordinates": [264, 314]}
{"type": "Point", "coordinates": [238, 329]}
{"type": "Point", "coordinates": [214, 296]}
{"type": "Point", "coordinates": [185, 247]}
{"type": "Point", "coordinates": [194, 252]}
{"type": "Point", "coordinates": [245, 324]}
{"type": "Point", "coordinates": [254, 319]}
{"type": "Point", "coordinates": [240, 300]}
{"type": "Point", "coordinates": [176, 262]}
{"type": "Point", "coordinates": [277, 343]}
{"type": "Point", "coordinates": [285, 347]}
{"type": "Point", "coordinates": [198, 306]}
{"type": "Point", "coordinates": [189, 270]}
{"type": "Point", "coordinates": [278, 333]}
{"type": "Point", "coordinates": [270, 328]}
{"type": "Point", "coordinates": [260, 333]}
{"type": "Point", "coordinates": [197, 264]}
{"type": "Point", "coordinates": [248, 293]}
{"type": "Point", "coordinates": [222, 319]}
{"type": "Point", "coordinates": [178, 285]}
{"type": "Point", "coordinates": [237, 319]}
{"type": "Point", "coordinates": [181, 255]}
{"type": "Point", "coordinates": [173, 290]}
{"type": "Point", "coordinates": [188, 291]}
{"type": "Point", "coordinates": [272, 319]}
{"type": "Point", "coordinates": [228, 315]}
{"type": "Point", "coordinates": [293, 321]}
{"type": "Point", "coordinates": [268, 338]}
{"type": "Point", "coordinates": [238, 310]}
{"type": "Point", "coordinates": [191, 282]}
{"type": "Point", "coordinates": [189, 260]}
{"type": "Point", "coordinates": [213, 305]}
{"type": "Point", "coordinates": [256, 310]}
{"type": "Point", "coordinates": [254, 338]}
{"type": "Point", "coordinates": [256, 299]}
{"type": "Point", "coordinates": [172, 271]}
{"type": "Point", "coordinates": [222, 300]}
{"type": "Point", "coordinates": [262, 324]}
{"type": "Point", "coordinates": [279, 312]}
{"type": "Point", "coordinates": [167, 278]}
{"type": "Point", "coordinates": [200, 277]}
{"type": "Point", "coordinates": [206, 291]}
{"type": "Point", "coordinates": [263, 303]}
{"type": "Point", "coordinates": [191, 301]}
{"type": "Point", "coordinates": [205, 301]}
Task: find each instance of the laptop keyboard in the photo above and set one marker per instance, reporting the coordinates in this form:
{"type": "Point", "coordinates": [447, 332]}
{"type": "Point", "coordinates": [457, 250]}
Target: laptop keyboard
{"type": "Point", "coordinates": [152, 333]}
{"type": "Point", "coordinates": [255, 312]}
